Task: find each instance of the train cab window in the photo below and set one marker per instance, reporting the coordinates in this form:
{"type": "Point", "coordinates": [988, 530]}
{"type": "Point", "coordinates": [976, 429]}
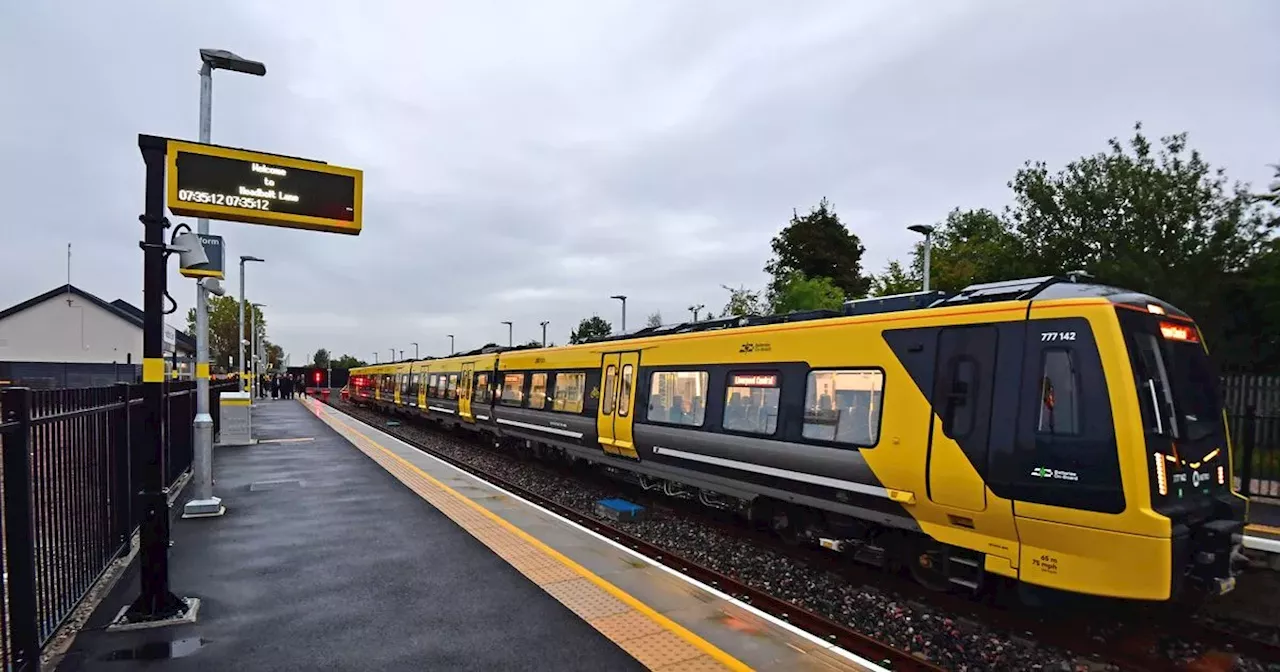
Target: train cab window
{"type": "Point", "coordinates": [1059, 408]}
{"type": "Point", "coordinates": [610, 389]}
{"type": "Point", "coordinates": [678, 397]}
{"type": "Point", "coordinates": [624, 394]}
{"type": "Point", "coordinates": [512, 389]}
{"type": "Point", "coordinates": [751, 403]}
{"type": "Point", "coordinates": [569, 392]}
{"type": "Point", "coordinates": [452, 391]}
{"type": "Point", "coordinates": [538, 390]}
{"type": "Point", "coordinates": [483, 394]}
{"type": "Point", "coordinates": [844, 406]}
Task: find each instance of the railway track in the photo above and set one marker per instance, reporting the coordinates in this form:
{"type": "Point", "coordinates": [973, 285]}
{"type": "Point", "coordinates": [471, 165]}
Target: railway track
{"type": "Point", "coordinates": [1134, 639]}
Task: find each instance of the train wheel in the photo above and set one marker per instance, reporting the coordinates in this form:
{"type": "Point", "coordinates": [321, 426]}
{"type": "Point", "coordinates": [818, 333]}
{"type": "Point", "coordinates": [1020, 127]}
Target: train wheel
{"type": "Point", "coordinates": [929, 563]}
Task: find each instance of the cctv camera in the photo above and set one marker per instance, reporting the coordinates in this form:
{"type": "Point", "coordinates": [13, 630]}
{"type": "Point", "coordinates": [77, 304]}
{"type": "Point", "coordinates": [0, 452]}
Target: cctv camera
{"type": "Point", "coordinates": [212, 286]}
{"type": "Point", "coordinates": [190, 250]}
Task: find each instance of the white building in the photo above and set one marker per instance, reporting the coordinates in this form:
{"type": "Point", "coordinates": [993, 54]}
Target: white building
{"type": "Point", "coordinates": [71, 326]}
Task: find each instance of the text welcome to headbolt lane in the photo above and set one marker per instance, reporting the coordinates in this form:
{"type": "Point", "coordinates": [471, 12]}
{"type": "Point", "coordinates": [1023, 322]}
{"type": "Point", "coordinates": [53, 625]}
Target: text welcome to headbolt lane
{"type": "Point", "coordinates": [259, 192]}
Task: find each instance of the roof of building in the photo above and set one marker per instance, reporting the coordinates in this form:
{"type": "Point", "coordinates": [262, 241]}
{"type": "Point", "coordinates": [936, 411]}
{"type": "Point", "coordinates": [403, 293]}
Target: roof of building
{"type": "Point", "coordinates": [120, 308]}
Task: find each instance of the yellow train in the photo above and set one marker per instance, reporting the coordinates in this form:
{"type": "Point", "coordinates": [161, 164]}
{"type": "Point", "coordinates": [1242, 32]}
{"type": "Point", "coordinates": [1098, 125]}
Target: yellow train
{"type": "Point", "coordinates": [1064, 434]}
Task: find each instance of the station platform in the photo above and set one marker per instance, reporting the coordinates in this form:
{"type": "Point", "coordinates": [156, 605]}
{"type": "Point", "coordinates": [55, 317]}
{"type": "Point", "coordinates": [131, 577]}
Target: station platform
{"type": "Point", "coordinates": [346, 549]}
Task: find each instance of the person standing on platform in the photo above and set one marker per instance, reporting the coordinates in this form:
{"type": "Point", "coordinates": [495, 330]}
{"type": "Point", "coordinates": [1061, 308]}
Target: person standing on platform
{"type": "Point", "coordinates": [286, 387]}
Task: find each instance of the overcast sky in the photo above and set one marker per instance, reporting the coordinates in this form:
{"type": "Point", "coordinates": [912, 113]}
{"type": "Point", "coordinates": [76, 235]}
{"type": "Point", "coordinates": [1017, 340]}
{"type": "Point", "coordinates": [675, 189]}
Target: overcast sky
{"type": "Point", "coordinates": [525, 160]}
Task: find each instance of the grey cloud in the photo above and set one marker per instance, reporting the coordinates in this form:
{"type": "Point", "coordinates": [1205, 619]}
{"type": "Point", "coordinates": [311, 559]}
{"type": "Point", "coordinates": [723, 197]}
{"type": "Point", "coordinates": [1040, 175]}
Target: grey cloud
{"type": "Point", "coordinates": [525, 161]}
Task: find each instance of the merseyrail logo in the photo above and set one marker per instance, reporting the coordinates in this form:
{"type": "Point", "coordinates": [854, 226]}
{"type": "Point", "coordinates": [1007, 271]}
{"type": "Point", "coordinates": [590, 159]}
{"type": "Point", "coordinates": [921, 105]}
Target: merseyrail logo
{"type": "Point", "coordinates": [1045, 472]}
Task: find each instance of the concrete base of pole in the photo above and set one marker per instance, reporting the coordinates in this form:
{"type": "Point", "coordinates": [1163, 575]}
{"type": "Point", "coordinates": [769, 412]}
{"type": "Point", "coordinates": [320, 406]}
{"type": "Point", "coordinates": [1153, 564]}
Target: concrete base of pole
{"type": "Point", "coordinates": [204, 508]}
{"type": "Point", "coordinates": [122, 623]}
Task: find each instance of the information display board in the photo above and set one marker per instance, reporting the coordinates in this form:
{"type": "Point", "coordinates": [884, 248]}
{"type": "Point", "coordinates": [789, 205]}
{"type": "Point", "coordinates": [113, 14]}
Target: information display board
{"type": "Point", "coordinates": [243, 186]}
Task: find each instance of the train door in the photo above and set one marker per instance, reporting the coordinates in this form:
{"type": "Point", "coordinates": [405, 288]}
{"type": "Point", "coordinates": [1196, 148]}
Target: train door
{"type": "Point", "coordinates": [618, 373]}
{"type": "Point", "coordinates": [964, 376]}
{"type": "Point", "coordinates": [465, 387]}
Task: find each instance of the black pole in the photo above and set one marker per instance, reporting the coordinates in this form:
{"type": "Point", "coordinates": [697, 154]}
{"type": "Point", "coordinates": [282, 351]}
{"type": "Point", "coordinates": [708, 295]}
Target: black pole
{"type": "Point", "coordinates": [156, 602]}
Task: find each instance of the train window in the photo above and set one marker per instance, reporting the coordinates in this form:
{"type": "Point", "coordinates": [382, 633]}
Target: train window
{"type": "Point", "coordinates": [624, 396]}
{"type": "Point", "coordinates": [610, 391]}
{"type": "Point", "coordinates": [433, 390]}
{"type": "Point", "coordinates": [404, 384]}
{"type": "Point", "coordinates": [843, 406]}
{"type": "Point", "coordinates": [512, 389]}
{"type": "Point", "coordinates": [483, 394]}
{"type": "Point", "coordinates": [538, 390]}
{"type": "Point", "coordinates": [452, 391]}
{"type": "Point", "coordinates": [961, 407]}
{"type": "Point", "coordinates": [569, 392]}
{"type": "Point", "coordinates": [751, 403]}
{"type": "Point", "coordinates": [678, 397]}
{"type": "Point", "coordinates": [1059, 392]}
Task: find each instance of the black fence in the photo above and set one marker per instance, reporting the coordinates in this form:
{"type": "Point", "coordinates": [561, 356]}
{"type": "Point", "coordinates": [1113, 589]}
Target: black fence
{"type": "Point", "coordinates": [64, 375]}
{"type": "Point", "coordinates": [1257, 453]}
{"type": "Point", "coordinates": [68, 471]}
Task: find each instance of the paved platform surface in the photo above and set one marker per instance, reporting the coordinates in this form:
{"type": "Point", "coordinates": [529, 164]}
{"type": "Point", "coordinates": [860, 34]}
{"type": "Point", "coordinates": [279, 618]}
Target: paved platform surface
{"type": "Point", "coordinates": [664, 619]}
{"type": "Point", "coordinates": [325, 561]}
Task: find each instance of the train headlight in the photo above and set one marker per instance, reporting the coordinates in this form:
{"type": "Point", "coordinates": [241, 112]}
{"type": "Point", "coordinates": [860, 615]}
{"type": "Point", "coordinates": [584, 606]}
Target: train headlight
{"type": "Point", "coordinates": [1162, 479]}
{"type": "Point", "coordinates": [1222, 475]}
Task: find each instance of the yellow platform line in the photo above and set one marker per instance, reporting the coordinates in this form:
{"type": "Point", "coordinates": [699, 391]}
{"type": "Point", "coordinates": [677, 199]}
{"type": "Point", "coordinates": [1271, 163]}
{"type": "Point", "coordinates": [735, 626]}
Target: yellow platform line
{"type": "Point", "coordinates": [651, 638]}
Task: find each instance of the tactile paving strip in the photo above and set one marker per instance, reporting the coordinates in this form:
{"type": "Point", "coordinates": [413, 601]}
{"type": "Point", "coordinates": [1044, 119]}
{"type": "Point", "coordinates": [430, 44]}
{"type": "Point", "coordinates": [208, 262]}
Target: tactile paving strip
{"type": "Point", "coordinates": [652, 639]}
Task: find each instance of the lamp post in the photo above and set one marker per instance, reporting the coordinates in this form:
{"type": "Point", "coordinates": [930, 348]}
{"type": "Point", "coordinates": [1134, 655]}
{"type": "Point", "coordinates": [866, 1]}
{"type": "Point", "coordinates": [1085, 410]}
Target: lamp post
{"type": "Point", "coordinates": [255, 343]}
{"type": "Point", "coordinates": [240, 338]}
{"type": "Point", "coordinates": [450, 343]}
{"type": "Point", "coordinates": [415, 350]}
{"type": "Point", "coordinates": [926, 231]}
{"type": "Point", "coordinates": [509, 332]}
{"type": "Point", "coordinates": [375, 358]}
{"type": "Point", "coordinates": [544, 324]}
{"type": "Point", "coordinates": [623, 299]}
{"type": "Point", "coordinates": [393, 354]}
{"type": "Point", "coordinates": [211, 59]}
{"type": "Point", "coordinates": [401, 356]}
{"type": "Point", "coordinates": [695, 309]}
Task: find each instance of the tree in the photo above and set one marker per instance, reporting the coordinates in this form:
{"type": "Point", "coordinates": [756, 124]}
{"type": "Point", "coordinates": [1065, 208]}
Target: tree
{"type": "Point", "coordinates": [654, 319]}
{"type": "Point", "coordinates": [275, 355]}
{"type": "Point", "coordinates": [742, 301]}
{"type": "Point", "coordinates": [320, 359]}
{"type": "Point", "coordinates": [347, 362]}
{"type": "Point", "coordinates": [223, 315]}
{"type": "Point", "coordinates": [1150, 216]}
{"type": "Point", "coordinates": [894, 280]}
{"type": "Point", "coordinates": [592, 327]}
{"type": "Point", "coordinates": [972, 246]}
{"type": "Point", "coordinates": [535, 343]}
{"type": "Point", "coordinates": [798, 293]}
{"type": "Point", "coordinates": [818, 246]}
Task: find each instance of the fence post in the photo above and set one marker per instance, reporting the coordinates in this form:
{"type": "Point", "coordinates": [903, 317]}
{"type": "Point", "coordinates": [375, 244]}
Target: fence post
{"type": "Point", "coordinates": [122, 491]}
{"type": "Point", "coordinates": [20, 561]}
{"type": "Point", "coordinates": [1247, 436]}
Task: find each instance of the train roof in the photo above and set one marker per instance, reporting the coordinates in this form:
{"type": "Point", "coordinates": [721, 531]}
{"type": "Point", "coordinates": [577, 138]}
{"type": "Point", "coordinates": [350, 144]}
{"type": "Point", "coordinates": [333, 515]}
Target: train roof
{"type": "Point", "coordinates": [1075, 284]}
{"type": "Point", "coordinates": [1072, 285]}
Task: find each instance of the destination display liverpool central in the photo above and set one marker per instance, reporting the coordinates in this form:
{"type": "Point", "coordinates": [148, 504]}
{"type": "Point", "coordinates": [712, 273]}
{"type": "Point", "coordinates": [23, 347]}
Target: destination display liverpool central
{"type": "Point", "coordinates": [243, 186]}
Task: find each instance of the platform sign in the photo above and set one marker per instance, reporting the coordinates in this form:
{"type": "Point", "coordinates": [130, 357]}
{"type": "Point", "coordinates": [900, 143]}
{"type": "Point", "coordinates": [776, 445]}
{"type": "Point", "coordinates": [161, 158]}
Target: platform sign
{"type": "Point", "coordinates": [213, 250]}
{"type": "Point", "coordinates": [243, 186]}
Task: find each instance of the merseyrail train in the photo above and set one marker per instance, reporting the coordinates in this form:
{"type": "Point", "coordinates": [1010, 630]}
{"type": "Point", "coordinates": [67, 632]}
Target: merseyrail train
{"type": "Point", "coordinates": [1064, 434]}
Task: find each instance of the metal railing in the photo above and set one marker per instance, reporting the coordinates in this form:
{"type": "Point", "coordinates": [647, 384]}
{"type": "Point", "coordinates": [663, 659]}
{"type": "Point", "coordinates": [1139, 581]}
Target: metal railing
{"type": "Point", "coordinates": [1257, 453]}
{"type": "Point", "coordinates": [68, 469]}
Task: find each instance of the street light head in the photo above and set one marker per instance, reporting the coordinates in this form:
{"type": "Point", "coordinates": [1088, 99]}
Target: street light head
{"type": "Point", "coordinates": [620, 297]}
{"type": "Point", "coordinates": [221, 59]}
{"type": "Point", "coordinates": [922, 229]}
{"type": "Point", "coordinates": [506, 323]}
{"type": "Point", "coordinates": [244, 258]}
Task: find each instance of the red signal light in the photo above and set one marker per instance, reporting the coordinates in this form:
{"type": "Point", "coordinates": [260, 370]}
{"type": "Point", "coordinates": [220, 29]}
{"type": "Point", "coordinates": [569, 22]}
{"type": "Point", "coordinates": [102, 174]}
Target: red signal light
{"type": "Point", "coordinates": [317, 376]}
